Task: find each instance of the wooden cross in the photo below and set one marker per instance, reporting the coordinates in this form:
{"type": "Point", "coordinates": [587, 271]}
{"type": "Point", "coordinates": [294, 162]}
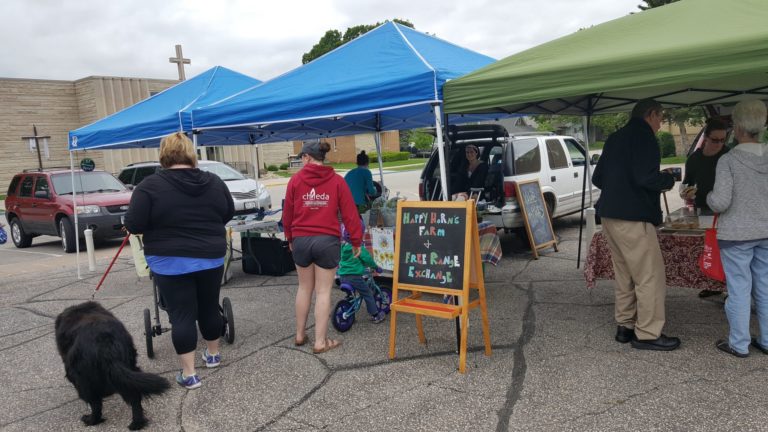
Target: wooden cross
{"type": "Point", "coordinates": [37, 139]}
{"type": "Point", "coordinates": [180, 62]}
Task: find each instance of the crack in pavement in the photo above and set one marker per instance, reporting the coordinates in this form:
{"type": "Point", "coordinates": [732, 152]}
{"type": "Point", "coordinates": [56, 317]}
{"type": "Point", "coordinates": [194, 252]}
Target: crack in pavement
{"type": "Point", "coordinates": [520, 366]}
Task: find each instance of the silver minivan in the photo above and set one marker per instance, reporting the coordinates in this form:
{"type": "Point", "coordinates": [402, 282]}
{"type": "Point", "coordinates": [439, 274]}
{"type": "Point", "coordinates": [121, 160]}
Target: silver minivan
{"type": "Point", "coordinates": [556, 161]}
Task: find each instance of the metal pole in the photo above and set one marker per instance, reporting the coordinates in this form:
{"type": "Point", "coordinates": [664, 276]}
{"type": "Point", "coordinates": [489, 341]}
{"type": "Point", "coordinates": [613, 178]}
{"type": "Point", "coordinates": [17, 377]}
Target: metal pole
{"type": "Point", "coordinates": [74, 210]}
{"type": "Point", "coordinates": [441, 151]}
{"type": "Point", "coordinates": [377, 139]}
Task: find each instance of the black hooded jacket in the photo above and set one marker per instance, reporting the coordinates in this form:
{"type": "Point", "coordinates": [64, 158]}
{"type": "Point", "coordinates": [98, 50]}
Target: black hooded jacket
{"type": "Point", "coordinates": [181, 213]}
{"type": "Point", "coordinates": [628, 175]}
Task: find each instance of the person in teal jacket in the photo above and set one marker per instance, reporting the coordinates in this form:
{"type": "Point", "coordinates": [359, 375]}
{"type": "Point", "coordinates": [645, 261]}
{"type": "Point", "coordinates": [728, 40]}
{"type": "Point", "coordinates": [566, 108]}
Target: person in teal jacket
{"type": "Point", "coordinates": [351, 271]}
{"type": "Point", "coordinates": [360, 182]}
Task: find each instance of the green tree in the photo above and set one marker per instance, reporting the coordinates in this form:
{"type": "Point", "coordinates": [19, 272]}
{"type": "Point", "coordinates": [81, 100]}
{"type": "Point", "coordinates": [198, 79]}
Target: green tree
{"type": "Point", "coordinates": [682, 117]}
{"type": "Point", "coordinates": [650, 4]}
{"type": "Point", "coordinates": [421, 140]}
{"type": "Point", "coordinates": [334, 39]}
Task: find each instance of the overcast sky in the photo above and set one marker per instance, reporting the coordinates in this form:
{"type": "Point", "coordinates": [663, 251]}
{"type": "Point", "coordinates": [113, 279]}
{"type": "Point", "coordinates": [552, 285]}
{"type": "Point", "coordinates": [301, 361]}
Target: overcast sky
{"type": "Point", "coordinates": [72, 39]}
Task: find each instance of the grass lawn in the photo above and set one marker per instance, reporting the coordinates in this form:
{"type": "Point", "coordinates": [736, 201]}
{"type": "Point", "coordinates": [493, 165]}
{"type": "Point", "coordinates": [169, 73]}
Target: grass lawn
{"type": "Point", "coordinates": [597, 145]}
{"type": "Point", "coordinates": [375, 164]}
{"type": "Point", "coordinates": [673, 160]}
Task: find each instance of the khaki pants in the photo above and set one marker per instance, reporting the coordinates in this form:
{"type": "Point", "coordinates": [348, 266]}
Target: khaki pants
{"type": "Point", "coordinates": [641, 284]}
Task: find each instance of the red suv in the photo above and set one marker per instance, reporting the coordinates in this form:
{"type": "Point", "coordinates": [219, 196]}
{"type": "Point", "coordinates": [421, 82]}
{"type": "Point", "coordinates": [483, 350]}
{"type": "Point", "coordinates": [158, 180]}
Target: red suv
{"type": "Point", "coordinates": [40, 203]}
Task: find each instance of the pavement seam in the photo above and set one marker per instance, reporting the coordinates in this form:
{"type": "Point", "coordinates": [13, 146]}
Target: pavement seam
{"type": "Point", "coordinates": [520, 367]}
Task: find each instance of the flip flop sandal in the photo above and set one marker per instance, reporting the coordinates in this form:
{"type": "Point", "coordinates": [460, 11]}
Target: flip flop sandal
{"type": "Point", "coordinates": [329, 345]}
{"type": "Point", "coordinates": [302, 342]}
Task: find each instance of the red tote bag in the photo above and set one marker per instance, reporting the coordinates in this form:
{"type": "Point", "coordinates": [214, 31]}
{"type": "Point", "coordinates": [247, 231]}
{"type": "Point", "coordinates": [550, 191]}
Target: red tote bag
{"type": "Point", "coordinates": [709, 261]}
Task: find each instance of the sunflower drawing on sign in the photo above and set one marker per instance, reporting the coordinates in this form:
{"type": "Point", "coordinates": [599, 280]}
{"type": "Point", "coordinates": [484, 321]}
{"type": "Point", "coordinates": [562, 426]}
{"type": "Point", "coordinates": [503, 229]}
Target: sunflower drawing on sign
{"type": "Point", "coordinates": [383, 247]}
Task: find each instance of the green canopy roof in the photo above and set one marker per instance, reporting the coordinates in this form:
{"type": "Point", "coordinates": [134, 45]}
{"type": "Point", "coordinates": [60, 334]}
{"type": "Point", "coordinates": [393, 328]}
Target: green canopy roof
{"type": "Point", "coordinates": [691, 52]}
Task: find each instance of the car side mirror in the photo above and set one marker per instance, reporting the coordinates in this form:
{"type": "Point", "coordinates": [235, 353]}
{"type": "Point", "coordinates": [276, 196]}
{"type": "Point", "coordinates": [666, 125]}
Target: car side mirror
{"type": "Point", "coordinates": [41, 194]}
{"type": "Point", "coordinates": [129, 186]}
{"type": "Point", "coordinates": [594, 158]}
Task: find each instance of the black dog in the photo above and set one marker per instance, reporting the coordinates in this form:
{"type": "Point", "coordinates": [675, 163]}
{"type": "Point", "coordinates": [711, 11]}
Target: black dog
{"type": "Point", "coordinates": [100, 360]}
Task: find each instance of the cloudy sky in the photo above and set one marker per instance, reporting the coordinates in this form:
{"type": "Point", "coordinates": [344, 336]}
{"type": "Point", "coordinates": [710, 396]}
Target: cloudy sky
{"type": "Point", "coordinates": [72, 39]}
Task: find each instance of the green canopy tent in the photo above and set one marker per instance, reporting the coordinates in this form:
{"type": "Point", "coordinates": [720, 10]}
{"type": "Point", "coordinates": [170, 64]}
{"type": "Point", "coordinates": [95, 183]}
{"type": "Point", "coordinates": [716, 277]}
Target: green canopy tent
{"type": "Point", "coordinates": [692, 52]}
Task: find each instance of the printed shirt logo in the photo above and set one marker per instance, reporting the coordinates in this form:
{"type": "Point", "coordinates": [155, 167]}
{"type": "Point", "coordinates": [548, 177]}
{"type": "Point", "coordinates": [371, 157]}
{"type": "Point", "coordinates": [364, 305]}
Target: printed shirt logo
{"type": "Point", "coordinates": [314, 199]}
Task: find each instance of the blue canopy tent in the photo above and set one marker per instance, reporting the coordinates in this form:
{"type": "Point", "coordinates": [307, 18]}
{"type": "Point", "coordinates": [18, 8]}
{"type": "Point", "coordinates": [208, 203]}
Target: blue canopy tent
{"type": "Point", "coordinates": [145, 123]}
{"type": "Point", "coordinates": [390, 78]}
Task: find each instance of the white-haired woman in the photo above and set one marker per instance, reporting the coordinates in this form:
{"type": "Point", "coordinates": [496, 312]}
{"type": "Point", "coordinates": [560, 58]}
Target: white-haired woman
{"type": "Point", "coordinates": [740, 196]}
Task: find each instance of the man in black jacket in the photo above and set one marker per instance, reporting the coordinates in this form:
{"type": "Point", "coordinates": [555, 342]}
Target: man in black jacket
{"type": "Point", "coordinates": [631, 184]}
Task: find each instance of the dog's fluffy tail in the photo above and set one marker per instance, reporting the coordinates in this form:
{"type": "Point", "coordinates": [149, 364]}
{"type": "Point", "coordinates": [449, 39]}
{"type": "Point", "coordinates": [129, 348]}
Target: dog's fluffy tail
{"type": "Point", "coordinates": [126, 380]}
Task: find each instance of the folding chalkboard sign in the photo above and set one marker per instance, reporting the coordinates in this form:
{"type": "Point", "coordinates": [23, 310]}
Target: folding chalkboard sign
{"type": "Point", "coordinates": [538, 223]}
{"type": "Point", "coordinates": [437, 251]}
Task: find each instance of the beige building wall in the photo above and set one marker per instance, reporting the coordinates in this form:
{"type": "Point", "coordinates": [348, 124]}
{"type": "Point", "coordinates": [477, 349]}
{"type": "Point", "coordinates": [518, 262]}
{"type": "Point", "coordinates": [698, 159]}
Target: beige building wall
{"type": "Point", "coordinates": [51, 106]}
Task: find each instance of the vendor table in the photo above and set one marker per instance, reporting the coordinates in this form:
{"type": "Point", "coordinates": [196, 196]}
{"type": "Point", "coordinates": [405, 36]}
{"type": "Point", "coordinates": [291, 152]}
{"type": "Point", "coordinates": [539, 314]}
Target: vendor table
{"type": "Point", "coordinates": [681, 255]}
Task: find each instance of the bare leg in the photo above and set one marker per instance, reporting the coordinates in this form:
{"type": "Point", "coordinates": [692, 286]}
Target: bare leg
{"type": "Point", "coordinates": [187, 363]}
{"type": "Point", "coordinates": [213, 346]}
{"type": "Point", "coordinates": [304, 298]}
{"type": "Point", "coordinates": [323, 284]}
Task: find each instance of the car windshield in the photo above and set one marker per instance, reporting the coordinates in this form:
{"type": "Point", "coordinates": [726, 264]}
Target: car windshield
{"type": "Point", "coordinates": [86, 182]}
{"type": "Point", "coordinates": [225, 172]}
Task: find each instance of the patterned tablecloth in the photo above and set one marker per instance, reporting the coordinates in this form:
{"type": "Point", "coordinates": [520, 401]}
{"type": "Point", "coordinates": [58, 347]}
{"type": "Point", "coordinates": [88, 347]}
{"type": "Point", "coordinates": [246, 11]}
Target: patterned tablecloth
{"type": "Point", "coordinates": [680, 252]}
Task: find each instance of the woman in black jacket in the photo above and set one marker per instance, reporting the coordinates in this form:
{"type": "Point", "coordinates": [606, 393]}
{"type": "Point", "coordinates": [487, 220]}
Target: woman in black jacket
{"type": "Point", "coordinates": [182, 212]}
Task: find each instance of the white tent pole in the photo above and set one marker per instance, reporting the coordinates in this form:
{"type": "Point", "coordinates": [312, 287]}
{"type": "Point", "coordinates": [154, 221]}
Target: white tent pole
{"type": "Point", "coordinates": [74, 210]}
{"type": "Point", "coordinates": [441, 150]}
{"type": "Point", "coordinates": [590, 212]}
{"type": "Point", "coordinates": [377, 139]}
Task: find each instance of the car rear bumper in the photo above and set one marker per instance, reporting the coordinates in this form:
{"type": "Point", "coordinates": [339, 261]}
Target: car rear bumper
{"type": "Point", "coordinates": [103, 226]}
{"type": "Point", "coordinates": [252, 205]}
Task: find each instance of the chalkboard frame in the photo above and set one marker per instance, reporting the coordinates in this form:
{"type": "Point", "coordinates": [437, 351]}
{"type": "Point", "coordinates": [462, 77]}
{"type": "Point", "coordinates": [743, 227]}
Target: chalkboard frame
{"type": "Point", "coordinates": [468, 272]}
{"type": "Point", "coordinates": [527, 217]}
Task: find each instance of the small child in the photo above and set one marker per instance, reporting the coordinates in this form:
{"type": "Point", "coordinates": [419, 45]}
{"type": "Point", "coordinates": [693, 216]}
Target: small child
{"type": "Point", "coordinates": [352, 269]}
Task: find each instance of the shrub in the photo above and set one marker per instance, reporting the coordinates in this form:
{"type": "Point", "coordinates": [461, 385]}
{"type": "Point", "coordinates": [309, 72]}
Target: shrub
{"type": "Point", "coordinates": [394, 156]}
{"type": "Point", "coordinates": [272, 168]}
{"type": "Point", "coordinates": [283, 167]}
{"type": "Point", "coordinates": [666, 144]}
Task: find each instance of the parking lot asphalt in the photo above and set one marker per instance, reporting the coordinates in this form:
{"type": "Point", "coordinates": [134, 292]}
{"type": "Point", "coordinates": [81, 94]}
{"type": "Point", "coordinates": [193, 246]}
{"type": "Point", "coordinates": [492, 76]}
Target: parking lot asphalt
{"type": "Point", "coordinates": [555, 365]}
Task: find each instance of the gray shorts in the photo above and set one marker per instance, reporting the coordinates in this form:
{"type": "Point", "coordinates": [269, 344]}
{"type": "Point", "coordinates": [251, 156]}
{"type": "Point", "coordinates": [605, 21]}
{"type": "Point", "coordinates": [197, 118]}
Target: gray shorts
{"type": "Point", "coordinates": [321, 250]}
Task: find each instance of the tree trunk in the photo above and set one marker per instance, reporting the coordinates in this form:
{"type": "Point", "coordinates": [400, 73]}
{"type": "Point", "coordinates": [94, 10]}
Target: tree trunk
{"type": "Point", "coordinates": [681, 149]}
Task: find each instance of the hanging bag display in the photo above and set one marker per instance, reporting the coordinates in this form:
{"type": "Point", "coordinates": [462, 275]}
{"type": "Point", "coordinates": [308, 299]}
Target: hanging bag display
{"type": "Point", "coordinates": [709, 261]}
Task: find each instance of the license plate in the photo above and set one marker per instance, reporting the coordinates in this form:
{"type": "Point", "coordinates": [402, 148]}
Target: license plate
{"type": "Point", "coordinates": [250, 205]}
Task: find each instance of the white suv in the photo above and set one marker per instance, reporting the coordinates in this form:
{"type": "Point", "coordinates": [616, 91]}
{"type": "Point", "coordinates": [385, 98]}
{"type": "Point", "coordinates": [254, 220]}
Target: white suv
{"type": "Point", "coordinates": [556, 161]}
{"type": "Point", "coordinates": [248, 194]}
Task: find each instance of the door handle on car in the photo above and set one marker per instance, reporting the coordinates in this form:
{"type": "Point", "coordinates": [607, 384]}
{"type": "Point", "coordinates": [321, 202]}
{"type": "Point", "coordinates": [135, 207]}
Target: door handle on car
{"type": "Point", "coordinates": [553, 178]}
{"type": "Point", "coordinates": [576, 174]}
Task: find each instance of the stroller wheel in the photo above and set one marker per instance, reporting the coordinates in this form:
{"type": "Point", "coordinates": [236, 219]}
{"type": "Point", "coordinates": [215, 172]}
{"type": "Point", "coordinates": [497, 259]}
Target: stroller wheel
{"type": "Point", "coordinates": [228, 332]}
{"type": "Point", "coordinates": [148, 333]}
{"type": "Point", "coordinates": [340, 323]}
{"type": "Point", "coordinates": [384, 299]}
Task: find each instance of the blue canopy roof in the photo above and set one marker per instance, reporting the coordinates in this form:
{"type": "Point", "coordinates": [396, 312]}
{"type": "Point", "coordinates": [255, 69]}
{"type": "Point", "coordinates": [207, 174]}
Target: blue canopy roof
{"type": "Point", "coordinates": [386, 79]}
{"type": "Point", "coordinates": [145, 123]}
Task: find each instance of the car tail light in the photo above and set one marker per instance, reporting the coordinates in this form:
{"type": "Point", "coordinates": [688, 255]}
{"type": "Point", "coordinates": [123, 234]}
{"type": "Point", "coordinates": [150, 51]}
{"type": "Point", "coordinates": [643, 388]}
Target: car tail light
{"type": "Point", "coordinates": [509, 189]}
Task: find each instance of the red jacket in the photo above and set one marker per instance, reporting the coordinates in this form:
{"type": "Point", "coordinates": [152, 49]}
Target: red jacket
{"type": "Point", "coordinates": [313, 200]}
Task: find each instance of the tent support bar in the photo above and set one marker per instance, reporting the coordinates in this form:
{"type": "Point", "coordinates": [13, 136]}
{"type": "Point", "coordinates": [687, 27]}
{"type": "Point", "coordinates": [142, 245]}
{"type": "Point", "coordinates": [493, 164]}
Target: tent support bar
{"type": "Point", "coordinates": [587, 180]}
{"type": "Point", "coordinates": [441, 151]}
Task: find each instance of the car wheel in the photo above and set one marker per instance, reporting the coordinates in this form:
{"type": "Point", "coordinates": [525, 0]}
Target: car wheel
{"type": "Point", "coordinates": [19, 237]}
{"type": "Point", "coordinates": [67, 233]}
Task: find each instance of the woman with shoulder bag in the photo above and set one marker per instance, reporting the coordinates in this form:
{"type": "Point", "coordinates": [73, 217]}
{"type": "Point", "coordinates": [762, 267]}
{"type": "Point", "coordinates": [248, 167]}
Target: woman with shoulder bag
{"type": "Point", "coordinates": [740, 196]}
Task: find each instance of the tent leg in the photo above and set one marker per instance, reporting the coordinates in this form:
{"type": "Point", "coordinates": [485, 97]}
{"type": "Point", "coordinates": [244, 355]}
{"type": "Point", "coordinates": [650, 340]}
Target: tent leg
{"type": "Point", "coordinates": [441, 151]}
{"type": "Point", "coordinates": [377, 140]}
{"type": "Point", "coordinates": [590, 213]}
{"type": "Point", "coordinates": [74, 206]}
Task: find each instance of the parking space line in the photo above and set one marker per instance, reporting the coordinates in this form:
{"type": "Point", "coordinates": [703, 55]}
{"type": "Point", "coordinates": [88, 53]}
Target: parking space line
{"type": "Point", "coordinates": [31, 252]}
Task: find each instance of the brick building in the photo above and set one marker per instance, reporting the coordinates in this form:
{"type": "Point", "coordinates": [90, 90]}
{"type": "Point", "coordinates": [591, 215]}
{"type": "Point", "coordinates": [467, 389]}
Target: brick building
{"type": "Point", "coordinates": [56, 107]}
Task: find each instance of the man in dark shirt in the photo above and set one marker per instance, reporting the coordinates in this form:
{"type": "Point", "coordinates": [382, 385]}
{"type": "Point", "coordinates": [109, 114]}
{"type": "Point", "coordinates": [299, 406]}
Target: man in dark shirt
{"type": "Point", "coordinates": [700, 167]}
{"type": "Point", "coordinates": [631, 184]}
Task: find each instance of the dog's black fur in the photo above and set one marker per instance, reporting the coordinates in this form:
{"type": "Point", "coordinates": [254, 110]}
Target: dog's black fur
{"type": "Point", "coordinates": [100, 360]}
